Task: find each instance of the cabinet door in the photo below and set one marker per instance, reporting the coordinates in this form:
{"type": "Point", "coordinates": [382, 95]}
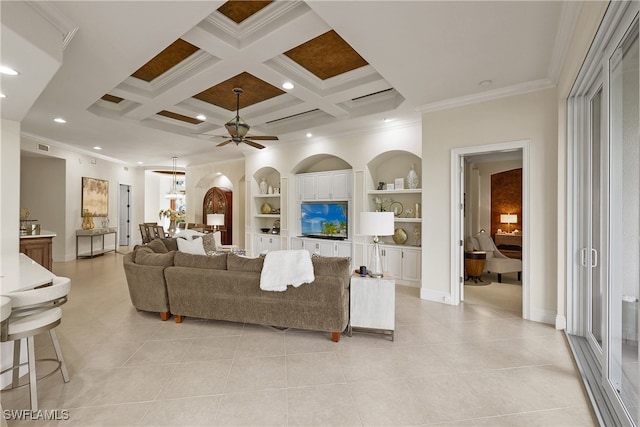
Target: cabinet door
{"type": "Point", "coordinates": [297, 243]}
{"type": "Point", "coordinates": [340, 186]}
{"type": "Point", "coordinates": [257, 244]}
{"type": "Point", "coordinates": [324, 187]}
{"type": "Point", "coordinates": [411, 264]}
{"type": "Point", "coordinates": [273, 243]}
{"type": "Point", "coordinates": [392, 261]}
{"type": "Point", "coordinates": [308, 186]}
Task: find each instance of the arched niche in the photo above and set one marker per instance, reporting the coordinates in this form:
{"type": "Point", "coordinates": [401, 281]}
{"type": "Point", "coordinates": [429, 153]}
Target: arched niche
{"type": "Point", "coordinates": [321, 163]}
{"type": "Point", "coordinates": [269, 174]}
{"type": "Point", "coordinates": [393, 164]}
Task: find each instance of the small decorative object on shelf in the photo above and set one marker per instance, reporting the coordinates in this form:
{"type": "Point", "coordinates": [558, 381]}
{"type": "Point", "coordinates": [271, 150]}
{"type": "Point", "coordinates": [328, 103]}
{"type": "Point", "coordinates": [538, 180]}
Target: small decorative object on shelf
{"type": "Point", "coordinates": [396, 208]}
{"type": "Point", "coordinates": [270, 190]}
{"type": "Point", "coordinates": [87, 220]}
{"type": "Point", "coordinates": [266, 208]}
{"type": "Point", "coordinates": [380, 186]}
{"type": "Point", "coordinates": [391, 186]}
{"type": "Point", "coordinates": [399, 183]}
{"type": "Point", "coordinates": [400, 236]}
{"type": "Point", "coordinates": [418, 213]}
{"type": "Point", "coordinates": [412, 178]}
{"type": "Point", "coordinates": [264, 187]}
{"type": "Point", "coordinates": [416, 236]}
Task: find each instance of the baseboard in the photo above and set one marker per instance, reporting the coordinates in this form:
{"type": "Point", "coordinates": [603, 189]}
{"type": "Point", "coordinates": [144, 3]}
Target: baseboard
{"type": "Point", "coordinates": [543, 316]}
{"type": "Point", "coordinates": [561, 322]}
{"type": "Point", "coordinates": [435, 296]}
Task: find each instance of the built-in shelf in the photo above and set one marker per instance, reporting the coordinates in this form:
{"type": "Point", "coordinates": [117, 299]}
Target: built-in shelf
{"type": "Point", "coordinates": [406, 191]}
{"type": "Point", "coordinates": [267, 216]}
{"type": "Point", "coordinates": [400, 219]}
{"type": "Point", "coordinates": [266, 196]}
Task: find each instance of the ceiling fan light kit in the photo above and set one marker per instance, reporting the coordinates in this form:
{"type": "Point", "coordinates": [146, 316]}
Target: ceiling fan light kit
{"type": "Point", "coordinates": [238, 129]}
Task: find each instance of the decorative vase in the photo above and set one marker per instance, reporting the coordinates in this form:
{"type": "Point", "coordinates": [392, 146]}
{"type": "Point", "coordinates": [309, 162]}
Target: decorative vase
{"type": "Point", "coordinates": [172, 227]}
{"type": "Point", "coordinates": [412, 178]}
{"type": "Point", "coordinates": [87, 222]}
{"type": "Point", "coordinates": [266, 208]}
{"type": "Point", "coordinates": [400, 236]}
{"type": "Point", "coordinates": [264, 186]}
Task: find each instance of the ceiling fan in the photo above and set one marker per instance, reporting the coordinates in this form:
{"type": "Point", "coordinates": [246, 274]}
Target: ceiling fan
{"type": "Point", "coordinates": [238, 128]}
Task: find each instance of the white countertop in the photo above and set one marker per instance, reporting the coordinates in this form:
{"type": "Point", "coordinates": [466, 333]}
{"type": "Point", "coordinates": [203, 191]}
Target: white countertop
{"type": "Point", "coordinates": [5, 308]}
{"type": "Point", "coordinates": [43, 233]}
{"type": "Point", "coordinates": [28, 275]}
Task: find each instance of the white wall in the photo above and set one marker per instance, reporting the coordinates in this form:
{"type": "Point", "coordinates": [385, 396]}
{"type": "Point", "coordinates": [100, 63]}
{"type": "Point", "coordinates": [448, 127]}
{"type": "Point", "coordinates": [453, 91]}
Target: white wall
{"type": "Point", "coordinates": [77, 166]}
{"type": "Point", "coordinates": [531, 116]}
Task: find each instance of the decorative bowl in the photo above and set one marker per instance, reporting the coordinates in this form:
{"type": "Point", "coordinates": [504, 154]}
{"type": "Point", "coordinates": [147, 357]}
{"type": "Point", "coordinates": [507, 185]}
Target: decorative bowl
{"type": "Point", "coordinates": [265, 230]}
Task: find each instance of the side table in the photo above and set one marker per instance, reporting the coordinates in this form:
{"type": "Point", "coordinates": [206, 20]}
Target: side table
{"type": "Point", "coordinates": [474, 264]}
{"type": "Point", "coordinates": [372, 303]}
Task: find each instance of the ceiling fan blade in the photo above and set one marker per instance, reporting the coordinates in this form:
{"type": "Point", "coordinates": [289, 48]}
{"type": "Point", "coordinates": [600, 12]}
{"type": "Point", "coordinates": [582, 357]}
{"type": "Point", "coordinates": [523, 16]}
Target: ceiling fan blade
{"type": "Point", "coordinates": [253, 144]}
{"type": "Point", "coordinates": [263, 138]}
{"type": "Point", "coordinates": [223, 143]}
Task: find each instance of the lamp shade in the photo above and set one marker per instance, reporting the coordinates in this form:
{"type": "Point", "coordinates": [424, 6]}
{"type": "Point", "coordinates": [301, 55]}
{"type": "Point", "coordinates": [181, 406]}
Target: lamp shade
{"type": "Point", "coordinates": [508, 218]}
{"type": "Point", "coordinates": [215, 219]}
{"type": "Point", "coordinates": [376, 223]}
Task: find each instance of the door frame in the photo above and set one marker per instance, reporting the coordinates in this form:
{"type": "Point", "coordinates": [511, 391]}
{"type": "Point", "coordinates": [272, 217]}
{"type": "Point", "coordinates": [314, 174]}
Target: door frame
{"type": "Point", "coordinates": [457, 229]}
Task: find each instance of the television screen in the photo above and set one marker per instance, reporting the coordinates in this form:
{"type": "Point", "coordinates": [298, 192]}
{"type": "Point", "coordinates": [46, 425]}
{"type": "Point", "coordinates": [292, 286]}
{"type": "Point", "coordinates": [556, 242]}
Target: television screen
{"type": "Point", "coordinates": [324, 220]}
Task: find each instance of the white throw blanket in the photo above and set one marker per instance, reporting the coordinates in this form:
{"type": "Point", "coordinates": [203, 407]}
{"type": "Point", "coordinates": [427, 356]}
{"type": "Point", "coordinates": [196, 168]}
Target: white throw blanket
{"type": "Point", "coordinates": [282, 268]}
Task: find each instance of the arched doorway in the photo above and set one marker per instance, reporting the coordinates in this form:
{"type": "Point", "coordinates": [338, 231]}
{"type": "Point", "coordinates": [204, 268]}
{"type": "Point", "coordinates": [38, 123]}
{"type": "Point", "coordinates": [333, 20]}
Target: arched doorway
{"type": "Point", "coordinates": [219, 200]}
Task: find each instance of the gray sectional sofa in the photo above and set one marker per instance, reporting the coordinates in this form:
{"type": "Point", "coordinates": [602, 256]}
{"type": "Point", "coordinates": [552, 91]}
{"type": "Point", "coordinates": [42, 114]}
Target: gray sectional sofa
{"type": "Point", "coordinates": [227, 287]}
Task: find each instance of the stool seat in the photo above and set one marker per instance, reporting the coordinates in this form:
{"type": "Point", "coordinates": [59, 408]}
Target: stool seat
{"type": "Point", "coordinates": [5, 308]}
{"type": "Point", "coordinates": [28, 324]}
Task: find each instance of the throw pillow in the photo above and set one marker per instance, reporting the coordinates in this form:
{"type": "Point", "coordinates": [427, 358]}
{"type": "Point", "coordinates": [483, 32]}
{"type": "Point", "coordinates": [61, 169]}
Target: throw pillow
{"type": "Point", "coordinates": [191, 246]}
{"type": "Point", "coordinates": [188, 234]}
{"type": "Point", "coordinates": [157, 246]}
{"type": "Point", "coordinates": [209, 242]}
{"type": "Point", "coordinates": [331, 266]}
{"type": "Point", "coordinates": [240, 263]}
{"type": "Point", "coordinates": [150, 258]}
{"type": "Point", "coordinates": [170, 243]}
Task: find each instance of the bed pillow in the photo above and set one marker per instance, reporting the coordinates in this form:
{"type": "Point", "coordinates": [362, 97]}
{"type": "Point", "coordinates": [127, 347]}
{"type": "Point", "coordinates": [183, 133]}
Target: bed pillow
{"type": "Point", "coordinates": [194, 246]}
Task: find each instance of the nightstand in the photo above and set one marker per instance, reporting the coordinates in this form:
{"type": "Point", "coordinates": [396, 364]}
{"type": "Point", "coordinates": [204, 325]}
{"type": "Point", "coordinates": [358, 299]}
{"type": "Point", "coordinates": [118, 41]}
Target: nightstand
{"type": "Point", "coordinates": [372, 304]}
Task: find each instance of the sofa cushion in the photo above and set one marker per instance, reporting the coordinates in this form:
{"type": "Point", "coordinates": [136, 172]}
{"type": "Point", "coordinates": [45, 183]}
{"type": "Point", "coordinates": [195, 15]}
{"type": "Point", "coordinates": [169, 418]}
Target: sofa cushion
{"type": "Point", "coordinates": [330, 266]}
{"type": "Point", "coordinates": [157, 246]}
{"type": "Point", "coordinates": [215, 262]}
{"type": "Point", "coordinates": [146, 256]}
{"type": "Point", "coordinates": [191, 246]}
{"type": "Point", "coordinates": [171, 243]}
{"type": "Point", "coordinates": [240, 263]}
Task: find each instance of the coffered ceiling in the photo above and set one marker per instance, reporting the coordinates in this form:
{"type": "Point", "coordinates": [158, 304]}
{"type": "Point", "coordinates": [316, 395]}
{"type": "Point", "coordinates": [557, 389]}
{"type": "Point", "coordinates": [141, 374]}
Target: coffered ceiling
{"type": "Point", "coordinates": [136, 76]}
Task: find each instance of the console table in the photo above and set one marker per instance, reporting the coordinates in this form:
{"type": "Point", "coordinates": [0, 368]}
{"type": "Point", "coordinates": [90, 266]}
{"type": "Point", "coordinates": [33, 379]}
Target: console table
{"type": "Point", "coordinates": [96, 232]}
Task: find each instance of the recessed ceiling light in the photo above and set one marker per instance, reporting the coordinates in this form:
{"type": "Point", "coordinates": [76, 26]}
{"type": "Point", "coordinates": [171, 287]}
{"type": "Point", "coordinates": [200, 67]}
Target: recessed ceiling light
{"type": "Point", "coordinates": [140, 163]}
{"type": "Point", "coordinates": [59, 120]}
{"type": "Point", "coordinates": [201, 117]}
{"type": "Point", "coordinates": [309, 135]}
{"type": "Point", "coordinates": [2, 95]}
{"type": "Point", "coordinates": [8, 71]}
{"type": "Point", "coordinates": [97, 148]}
{"type": "Point", "coordinates": [387, 119]}
{"type": "Point", "coordinates": [287, 85]}
{"type": "Point", "coordinates": [485, 83]}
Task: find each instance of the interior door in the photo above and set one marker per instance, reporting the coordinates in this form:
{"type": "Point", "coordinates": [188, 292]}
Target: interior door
{"type": "Point", "coordinates": [124, 215]}
{"type": "Point", "coordinates": [219, 200]}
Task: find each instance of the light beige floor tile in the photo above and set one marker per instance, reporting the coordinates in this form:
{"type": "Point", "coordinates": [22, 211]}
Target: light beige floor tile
{"type": "Point", "coordinates": [260, 373]}
{"type": "Point", "coordinates": [196, 379]}
{"type": "Point", "coordinates": [261, 345]}
{"type": "Point", "coordinates": [324, 405]}
{"type": "Point", "coordinates": [311, 342]}
{"type": "Point", "coordinates": [569, 417]}
{"type": "Point", "coordinates": [156, 352]}
{"type": "Point", "coordinates": [195, 328]}
{"type": "Point", "coordinates": [212, 348]}
{"type": "Point", "coordinates": [114, 415]}
{"type": "Point", "coordinates": [194, 411]}
{"type": "Point", "coordinates": [313, 369]}
{"type": "Point", "coordinates": [259, 408]}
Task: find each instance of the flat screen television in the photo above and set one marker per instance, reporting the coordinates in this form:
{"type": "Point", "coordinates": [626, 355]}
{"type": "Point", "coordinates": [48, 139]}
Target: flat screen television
{"type": "Point", "coordinates": [324, 220]}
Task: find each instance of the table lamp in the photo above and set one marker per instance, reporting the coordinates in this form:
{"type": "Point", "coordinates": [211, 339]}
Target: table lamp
{"type": "Point", "coordinates": [376, 224]}
{"type": "Point", "coordinates": [509, 219]}
{"type": "Point", "coordinates": [215, 220]}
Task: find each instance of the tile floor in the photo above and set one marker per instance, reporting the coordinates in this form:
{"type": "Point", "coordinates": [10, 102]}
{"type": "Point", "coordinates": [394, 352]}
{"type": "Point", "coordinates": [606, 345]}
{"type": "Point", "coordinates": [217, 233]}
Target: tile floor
{"type": "Point", "coordinates": [466, 365]}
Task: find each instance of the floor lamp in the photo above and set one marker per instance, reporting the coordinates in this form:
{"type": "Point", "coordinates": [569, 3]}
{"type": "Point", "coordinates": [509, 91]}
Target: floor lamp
{"type": "Point", "coordinates": [376, 224]}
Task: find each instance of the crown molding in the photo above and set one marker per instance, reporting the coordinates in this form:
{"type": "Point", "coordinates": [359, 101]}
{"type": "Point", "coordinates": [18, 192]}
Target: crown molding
{"type": "Point", "coordinates": [59, 20]}
{"type": "Point", "coordinates": [518, 89]}
{"type": "Point", "coordinates": [568, 21]}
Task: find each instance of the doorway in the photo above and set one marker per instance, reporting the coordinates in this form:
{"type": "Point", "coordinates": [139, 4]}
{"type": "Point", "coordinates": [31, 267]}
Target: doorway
{"type": "Point", "coordinates": [472, 216]}
{"type": "Point", "coordinates": [124, 215]}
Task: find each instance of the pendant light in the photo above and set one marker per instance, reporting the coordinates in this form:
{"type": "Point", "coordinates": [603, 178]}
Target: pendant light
{"type": "Point", "coordinates": [174, 193]}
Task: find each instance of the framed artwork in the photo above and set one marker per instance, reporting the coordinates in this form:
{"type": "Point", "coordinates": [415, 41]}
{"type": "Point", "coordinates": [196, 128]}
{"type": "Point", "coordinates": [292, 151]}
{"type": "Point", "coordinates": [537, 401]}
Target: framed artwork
{"type": "Point", "coordinates": [95, 196]}
{"type": "Point", "coordinates": [399, 183]}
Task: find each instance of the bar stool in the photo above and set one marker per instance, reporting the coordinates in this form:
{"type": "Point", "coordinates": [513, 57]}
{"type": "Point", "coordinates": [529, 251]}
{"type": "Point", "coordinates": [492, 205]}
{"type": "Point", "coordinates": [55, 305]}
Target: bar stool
{"type": "Point", "coordinates": [34, 312]}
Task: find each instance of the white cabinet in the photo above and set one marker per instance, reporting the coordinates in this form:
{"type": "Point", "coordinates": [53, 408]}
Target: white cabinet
{"type": "Point", "coordinates": [332, 185]}
{"type": "Point", "coordinates": [402, 262]}
{"type": "Point", "coordinates": [265, 243]}
{"type": "Point", "coordinates": [322, 247]}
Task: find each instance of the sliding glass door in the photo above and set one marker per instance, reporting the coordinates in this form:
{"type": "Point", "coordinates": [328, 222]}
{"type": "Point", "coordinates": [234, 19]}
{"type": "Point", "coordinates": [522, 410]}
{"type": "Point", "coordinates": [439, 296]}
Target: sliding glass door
{"type": "Point", "coordinates": [604, 144]}
{"type": "Point", "coordinates": [624, 119]}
